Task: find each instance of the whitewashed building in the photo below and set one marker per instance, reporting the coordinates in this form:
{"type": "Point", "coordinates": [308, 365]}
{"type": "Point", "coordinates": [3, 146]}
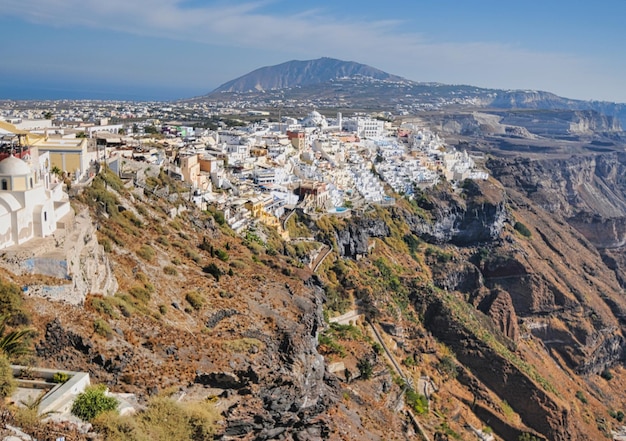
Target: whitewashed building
{"type": "Point", "coordinates": [29, 207]}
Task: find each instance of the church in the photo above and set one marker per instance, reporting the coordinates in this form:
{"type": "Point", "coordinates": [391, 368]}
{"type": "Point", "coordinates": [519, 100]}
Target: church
{"type": "Point", "coordinates": [30, 204]}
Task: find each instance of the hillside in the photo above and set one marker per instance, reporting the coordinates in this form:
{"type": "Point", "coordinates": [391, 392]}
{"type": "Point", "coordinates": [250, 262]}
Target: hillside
{"type": "Point", "coordinates": [489, 300]}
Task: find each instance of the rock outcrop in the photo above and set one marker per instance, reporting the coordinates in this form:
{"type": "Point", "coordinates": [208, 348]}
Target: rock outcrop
{"type": "Point", "coordinates": [72, 255]}
{"type": "Point", "coordinates": [478, 216]}
{"type": "Point", "coordinates": [354, 240]}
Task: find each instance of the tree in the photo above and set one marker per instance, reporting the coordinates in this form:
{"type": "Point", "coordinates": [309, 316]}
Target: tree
{"type": "Point", "coordinates": [57, 171]}
{"type": "Point", "coordinates": [47, 115]}
{"type": "Point", "coordinates": [366, 368]}
{"type": "Point", "coordinates": [150, 130]}
{"type": "Point", "coordinates": [92, 402]}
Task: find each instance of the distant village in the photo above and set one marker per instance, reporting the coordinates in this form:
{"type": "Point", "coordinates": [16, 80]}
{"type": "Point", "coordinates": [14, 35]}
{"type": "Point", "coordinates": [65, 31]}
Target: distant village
{"type": "Point", "coordinates": [252, 171]}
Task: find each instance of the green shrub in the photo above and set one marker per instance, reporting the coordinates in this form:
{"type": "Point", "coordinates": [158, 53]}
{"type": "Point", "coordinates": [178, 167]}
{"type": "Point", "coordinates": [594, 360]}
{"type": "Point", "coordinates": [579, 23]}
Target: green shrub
{"type": "Point", "coordinates": [607, 374]}
{"type": "Point", "coordinates": [366, 368]}
{"type": "Point", "coordinates": [409, 361]}
{"type": "Point", "coordinates": [140, 293]}
{"type": "Point", "coordinates": [527, 437]}
{"type": "Point", "coordinates": [60, 377]}
{"type": "Point", "coordinates": [417, 402]}
{"type": "Point", "coordinates": [193, 256]}
{"type": "Point", "coordinates": [102, 328]}
{"type": "Point", "coordinates": [214, 270]}
{"type": "Point", "coordinates": [243, 345]}
{"type": "Point", "coordinates": [92, 402]}
{"type": "Point", "coordinates": [378, 349]}
{"type": "Point", "coordinates": [163, 240]}
{"type": "Point", "coordinates": [103, 306]}
{"type": "Point", "coordinates": [106, 244]}
{"type": "Point", "coordinates": [222, 255]}
{"type": "Point", "coordinates": [11, 304]}
{"type": "Point", "coordinates": [195, 299]}
{"type": "Point", "coordinates": [447, 366]}
{"type": "Point", "coordinates": [219, 217]}
{"type": "Point", "coordinates": [328, 345]}
{"type": "Point", "coordinates": [181, 422]}
{"type": "Point", "coordinates": [581, 396]}
{"type": "Point", "coordinates": [146, 252]}
{"type": "Point", "coordinates": [522, 229]}
{"type": "Point", "coordinates": [170, 270]}
{"type": "Point", "coordinates": [7, 382]}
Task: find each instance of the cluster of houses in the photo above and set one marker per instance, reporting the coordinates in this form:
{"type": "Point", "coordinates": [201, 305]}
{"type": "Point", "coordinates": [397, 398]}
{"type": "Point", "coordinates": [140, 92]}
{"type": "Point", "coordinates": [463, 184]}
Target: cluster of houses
{"type": "Point", "coordinates": [252, 173]}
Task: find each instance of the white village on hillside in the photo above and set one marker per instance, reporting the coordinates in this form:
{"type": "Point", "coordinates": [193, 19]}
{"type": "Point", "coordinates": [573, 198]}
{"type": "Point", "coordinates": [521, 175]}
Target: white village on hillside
{"type": "Point", "coordinates": [254, 173]}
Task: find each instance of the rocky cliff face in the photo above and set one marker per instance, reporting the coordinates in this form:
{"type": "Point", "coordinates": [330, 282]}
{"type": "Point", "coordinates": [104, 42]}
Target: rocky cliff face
{"type": "Point", "coordinates": [549, 285]}
{"type": "Point", "coordinates": [72, 256]}
{"type": "Point", "coordinates": [354, 240]}
{"type": "Point", "coordinates": [478, 216]}
{"type": "Point", "coordinates": [589, 192]}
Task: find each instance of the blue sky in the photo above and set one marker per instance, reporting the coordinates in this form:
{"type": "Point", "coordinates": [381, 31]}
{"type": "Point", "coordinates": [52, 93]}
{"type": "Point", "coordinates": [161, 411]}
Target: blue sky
{"type": "Point", "coordinates": [168, 49]}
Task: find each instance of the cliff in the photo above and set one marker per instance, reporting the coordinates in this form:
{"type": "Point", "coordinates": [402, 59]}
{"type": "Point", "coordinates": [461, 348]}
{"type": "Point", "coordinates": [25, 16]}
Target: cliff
{"type": "Point", "coordinates": [487, 302]}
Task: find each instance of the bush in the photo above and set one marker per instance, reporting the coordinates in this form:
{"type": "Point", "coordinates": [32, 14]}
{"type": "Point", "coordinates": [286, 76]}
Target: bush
{"type": "Point", "coordinates": [447, 366]}
{"type": "Point", "coordinates": [522, 229]}
{"type": "Point", "coordinates": [60, 377]}
{"type": "Point", "coordinates": [146, 252]}
{"type": "Point", "coordinates": [607, 374]}
{"type": "Point", "coordinates": [219, 217]}
{"type": "Point", "coordinates": [163, 419]}
{"type": "Point", "coordinates": [417, 402]}
{"type": "Point", "coordinates": [581, 396]}
{"type": "Point", "coordinates": [170, 270]}
{"type": "Point", "coordinates": [7, 382]}
{"type": "Point", "coordinates": [103, 306]}
{"type": "Point", "coordinates": [527, 437]}
{"type": "Point", "coordinates": [140, 293]}
{"type": "Point", "coordinates": [106, 244]}
{"type": "Point", "coordinates": [102, 328]}
{"type": "Point", "coordinates": [195, 299]}
{"type": "Point", "coordinates": [11, 304]}
{"type": "Point", "coordinates": [222, 255]}
{"type": "Point", "coordinates": [365, 367]}
{"type": "Point", "coordinates": [214, 270]}
{"type": "Point", "coordinates": [92, 402]}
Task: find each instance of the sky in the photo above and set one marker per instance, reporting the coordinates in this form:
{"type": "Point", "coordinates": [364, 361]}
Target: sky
{"type": "Point", "coordinates": [171, 49]}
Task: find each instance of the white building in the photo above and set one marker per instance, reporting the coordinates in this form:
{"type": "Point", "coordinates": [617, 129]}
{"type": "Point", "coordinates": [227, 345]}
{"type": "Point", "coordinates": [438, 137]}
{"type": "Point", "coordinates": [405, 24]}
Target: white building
{"type": "Point", "coordinates": [364, 127]}
{"type": "Point", "coordinates": [28, 207]}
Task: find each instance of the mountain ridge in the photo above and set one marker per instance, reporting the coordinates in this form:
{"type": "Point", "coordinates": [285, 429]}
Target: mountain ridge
{"type": "Point", "coordinates": [329, 82]}
{"type": "Point", "coordinates": [302, 72]}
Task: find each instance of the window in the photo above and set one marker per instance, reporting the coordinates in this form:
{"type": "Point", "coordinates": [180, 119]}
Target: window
{"type": "Point", "coordinates": [45, 216]}
{"type": "Point", "coordinates": [5, 184]}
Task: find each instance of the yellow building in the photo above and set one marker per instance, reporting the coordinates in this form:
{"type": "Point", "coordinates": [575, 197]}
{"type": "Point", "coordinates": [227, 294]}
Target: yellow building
{"type": "Point", "coordinates": [256, 205]}
{"type": "Point", "coordinates": [69, 155]}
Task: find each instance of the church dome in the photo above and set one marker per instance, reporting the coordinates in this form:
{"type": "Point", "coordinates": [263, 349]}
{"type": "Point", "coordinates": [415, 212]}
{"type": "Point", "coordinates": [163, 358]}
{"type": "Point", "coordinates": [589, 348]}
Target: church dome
{"type": "Point", "coordinates": [13, 166]}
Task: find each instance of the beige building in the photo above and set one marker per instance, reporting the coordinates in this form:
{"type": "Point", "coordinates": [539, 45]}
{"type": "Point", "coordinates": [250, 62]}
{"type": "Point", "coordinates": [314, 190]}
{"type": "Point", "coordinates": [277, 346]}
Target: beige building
{"type": "Point", "coordinates": [191, 172]}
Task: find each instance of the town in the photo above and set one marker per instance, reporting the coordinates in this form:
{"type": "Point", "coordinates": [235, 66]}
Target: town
{"type": "Point", "coordinates": [249, 166]}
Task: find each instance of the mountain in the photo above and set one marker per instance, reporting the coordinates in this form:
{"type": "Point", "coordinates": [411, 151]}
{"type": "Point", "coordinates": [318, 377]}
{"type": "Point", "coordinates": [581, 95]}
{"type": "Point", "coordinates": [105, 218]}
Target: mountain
{"type": "Point", "coordinates": [330, 83]}
{"type": "Point", "coordinates": [302, 73]}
